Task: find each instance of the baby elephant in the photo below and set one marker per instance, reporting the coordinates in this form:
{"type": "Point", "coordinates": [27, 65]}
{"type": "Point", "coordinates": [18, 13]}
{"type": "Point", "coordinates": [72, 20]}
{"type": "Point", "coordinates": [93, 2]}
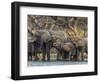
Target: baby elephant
{"type": "Point", "coordinates": [65, 50]}
{"type": "Point", "coordinates": [69, 50]}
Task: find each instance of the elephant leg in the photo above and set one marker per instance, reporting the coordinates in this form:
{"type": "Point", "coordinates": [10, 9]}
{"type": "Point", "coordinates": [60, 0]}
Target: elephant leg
{"type": "Point", "coordinates": [64, 56]}
{"type": "Point", "coordinates": [33, 51]}
{"type": "Point", "coordinates": [58, 55]}
{"type": "Point", "coordinates": [48, 56]}
{"type": "Point", "coordinates": [34, 55]}
{"type": "Point", "coordinates": [69, 55]}
{"type": "Point", "coordinates": [73, 53]}
{"type": "Point", "coordinates": [77, 55]}
{"type": "Point", "coordinates": [30, 52]}
{"type": "Point", "coordinates": [48, 47]}
{"type": "Point", "coordinates": [44, 53]}
{"type": "Point", "coordinates": [82, 56]}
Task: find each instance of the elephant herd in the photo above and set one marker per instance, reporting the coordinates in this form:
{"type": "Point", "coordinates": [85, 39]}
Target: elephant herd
{"type": "Point", "coordinates": [44, 40]}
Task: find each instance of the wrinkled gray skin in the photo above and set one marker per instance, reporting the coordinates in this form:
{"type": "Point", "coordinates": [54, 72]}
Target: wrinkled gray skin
{"type": "Point", "coordinates": [58, 35]}
{"type": "Point", "coordinates": [42, 42]}
{"type": "Point", "coordinates": [64, 49]}
{"type": "Point", "coordinates": [33, 48]}
{"type": "Point", "coordinates": [69, 50]}
{"type": "Point", "coordinates": [82, 47]}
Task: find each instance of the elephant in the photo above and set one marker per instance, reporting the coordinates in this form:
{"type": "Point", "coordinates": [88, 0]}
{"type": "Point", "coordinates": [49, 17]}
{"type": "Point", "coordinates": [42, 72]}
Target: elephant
{"type": "Point", "coordinates": [30, 51]}
{"type": "Point", "coordinates": [69, 50]}
{"type": "Point", "coordinates": [44, 41]}
{"type": "Point", "coordinates": [81, 47]}
{"type": "Point", "coordinates": [64, 49]}
{"type": "Point", "coordinates": [58, 35]}
{"type": "Point", "coordinates": [33, 48]}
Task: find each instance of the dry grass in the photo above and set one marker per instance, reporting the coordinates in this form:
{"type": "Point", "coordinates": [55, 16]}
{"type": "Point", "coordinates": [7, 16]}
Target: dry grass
{"type": "Point", "coordinates": [76, 34]}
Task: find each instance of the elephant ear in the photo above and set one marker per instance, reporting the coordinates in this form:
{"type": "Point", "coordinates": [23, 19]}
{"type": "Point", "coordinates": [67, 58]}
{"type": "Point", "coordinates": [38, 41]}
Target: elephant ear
{"type": "Point", "coordinates": [46, 38]}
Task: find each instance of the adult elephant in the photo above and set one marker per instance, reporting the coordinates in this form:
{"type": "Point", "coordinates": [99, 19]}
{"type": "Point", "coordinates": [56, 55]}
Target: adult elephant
{"type": "Point", "coordinates": [82, 48]}
{"type": "Point", "coordinates": [44, 41]}
{"type": "Point", "coordinates": [58, 38]}
{"type": "Point", "coordinates": [33, 49]}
